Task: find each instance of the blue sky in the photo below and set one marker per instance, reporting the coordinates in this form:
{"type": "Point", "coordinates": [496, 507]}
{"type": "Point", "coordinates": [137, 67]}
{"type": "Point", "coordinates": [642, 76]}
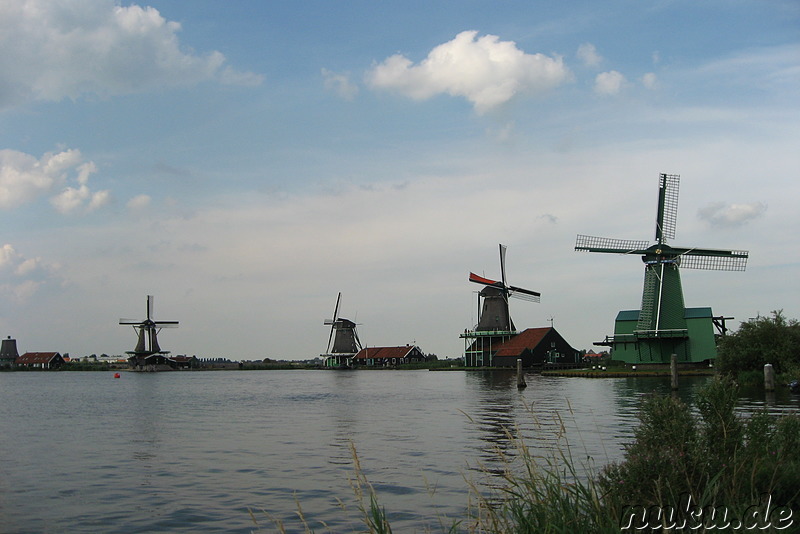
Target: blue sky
{"type": "Point", "coordinates": [246, 161]}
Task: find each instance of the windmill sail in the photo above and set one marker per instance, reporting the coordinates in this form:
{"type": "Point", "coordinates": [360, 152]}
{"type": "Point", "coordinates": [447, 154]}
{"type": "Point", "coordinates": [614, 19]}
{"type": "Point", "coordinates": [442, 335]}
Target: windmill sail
{"type": "Point", "coordinates": [667, 213]}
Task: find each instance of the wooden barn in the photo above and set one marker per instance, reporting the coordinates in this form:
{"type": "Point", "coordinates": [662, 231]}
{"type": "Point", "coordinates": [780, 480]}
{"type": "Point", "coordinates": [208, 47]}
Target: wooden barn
{"type": "Point", "coordinates": [388, 356]}
{"type": "Point", "coordinates": [43, 360]}
{"type": "Point", "coordinates": [536, 347]}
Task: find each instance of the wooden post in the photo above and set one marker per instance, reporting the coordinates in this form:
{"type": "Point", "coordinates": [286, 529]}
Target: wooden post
{"type": "Point", "coordinates": [673, 370]}
{"type": "Point", "coordinates": [769, 377]}
{"type": "Point", "coordinates": [520, 377]}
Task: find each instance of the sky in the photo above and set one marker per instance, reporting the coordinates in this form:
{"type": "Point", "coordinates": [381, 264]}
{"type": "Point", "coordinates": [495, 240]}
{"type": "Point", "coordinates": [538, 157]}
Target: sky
{"type": "Point", "coordinates": [244, 162]}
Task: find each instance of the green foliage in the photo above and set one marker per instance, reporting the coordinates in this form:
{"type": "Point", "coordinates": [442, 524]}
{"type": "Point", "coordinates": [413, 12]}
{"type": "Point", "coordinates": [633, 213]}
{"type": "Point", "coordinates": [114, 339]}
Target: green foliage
{"type": "Point", "coordinates": [759, 341]}
{"type": "Point", "coordinates": [718, 457]}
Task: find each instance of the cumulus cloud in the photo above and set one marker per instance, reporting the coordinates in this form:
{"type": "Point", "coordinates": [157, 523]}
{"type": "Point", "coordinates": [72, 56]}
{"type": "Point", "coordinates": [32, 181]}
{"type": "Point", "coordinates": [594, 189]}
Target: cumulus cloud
{"type": "Point", "coordinates": [24, 178]}
{"type": "Point", "coordinates": [587, 53]}
{"type": "Point", "coordinates": [340, 84]}
{"type": "Point", "coordinates": [56, 50]}
{"type": "Point", "coordinates": [609, 83]}
{"type": "Point", "coordinates": [484, 70]}
{"type": "Point", "coordinates": [721, 214]}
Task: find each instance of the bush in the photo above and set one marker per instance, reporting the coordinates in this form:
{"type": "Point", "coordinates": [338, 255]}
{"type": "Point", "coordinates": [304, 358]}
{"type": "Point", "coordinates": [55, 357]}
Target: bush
{"type": "Point", "coordinates": [717, 458]}
{"type": "Point", "coordinates": [760, 341]}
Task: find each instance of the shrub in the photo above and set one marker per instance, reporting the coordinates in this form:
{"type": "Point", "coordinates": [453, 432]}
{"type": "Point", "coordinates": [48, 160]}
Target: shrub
{"type": "Point", "coordinates": [760, 341]}
{"type": "Point", "coordinates": [716, 458]}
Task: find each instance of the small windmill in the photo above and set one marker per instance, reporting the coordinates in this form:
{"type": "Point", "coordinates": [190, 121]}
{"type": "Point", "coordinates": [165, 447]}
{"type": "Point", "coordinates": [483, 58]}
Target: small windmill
{"type": "Point", "coordinates": [494, 315]}
{"type": "Point", "coordinates": [664, 326]}
{"type": "Point", "coordinates": [147, 332]}
{"type": "Point", "coordinates": [494, 318]}
{"type": "Point", "coordinates": [343, 342]}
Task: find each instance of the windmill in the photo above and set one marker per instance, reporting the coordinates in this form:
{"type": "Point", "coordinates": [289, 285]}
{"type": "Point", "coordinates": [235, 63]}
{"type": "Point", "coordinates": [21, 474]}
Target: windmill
{"type": "Point", "coordinates": [494, 319]}
{"type": "Point", "coordinates": [343, 342]}
{"type": "Point", "coordinates": [147, 332]}
{"type": "Point", "coordinates": [664, 326]}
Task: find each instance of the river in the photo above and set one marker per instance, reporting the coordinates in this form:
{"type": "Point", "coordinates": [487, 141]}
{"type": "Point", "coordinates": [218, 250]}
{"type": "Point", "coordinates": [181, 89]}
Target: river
{"type": "Point", "coordinates": [233, 451]}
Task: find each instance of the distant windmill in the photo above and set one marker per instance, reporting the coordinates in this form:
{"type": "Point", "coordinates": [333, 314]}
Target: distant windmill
{"type": "Point", "coordinates": [343, 342]}
{"type": "Point", "coordinates": [664, 326]}
{"type": "Point", "coordinates": [495, 315]}
{"type": "Point", "coordinates": [494, 318]}
{"type": "Point", "coordinates": [147, 332]}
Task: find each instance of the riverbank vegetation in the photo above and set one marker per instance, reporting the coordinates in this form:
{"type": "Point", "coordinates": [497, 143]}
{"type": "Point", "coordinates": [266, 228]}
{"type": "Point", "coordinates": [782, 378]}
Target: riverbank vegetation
{"type": "Point", "coordinates": [686, 470]}
{"type": "Point", "coordinates": [757, 342]}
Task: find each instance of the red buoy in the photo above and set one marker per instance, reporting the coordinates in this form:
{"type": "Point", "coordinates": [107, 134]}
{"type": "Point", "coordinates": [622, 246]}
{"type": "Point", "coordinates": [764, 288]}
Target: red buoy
{"type": "Point", "coordinates": [116, 375]}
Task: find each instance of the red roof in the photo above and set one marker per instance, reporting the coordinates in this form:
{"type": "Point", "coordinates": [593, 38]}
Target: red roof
{"type": "Point", "coordinates": [37, 357]}
{"type": "Point", "coordinates": [385, 352]}
{"type": "Point", "coordinates": [527, 339]}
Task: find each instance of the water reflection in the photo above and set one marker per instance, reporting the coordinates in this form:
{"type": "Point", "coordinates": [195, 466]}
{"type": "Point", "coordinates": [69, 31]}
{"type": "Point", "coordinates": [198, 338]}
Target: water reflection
{"type": "Point", "coordinates": [494, 410]}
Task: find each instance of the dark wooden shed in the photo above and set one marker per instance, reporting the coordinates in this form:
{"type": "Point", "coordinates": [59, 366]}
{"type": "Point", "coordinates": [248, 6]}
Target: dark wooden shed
{"type": "Point", "coordinates": [536, 347]}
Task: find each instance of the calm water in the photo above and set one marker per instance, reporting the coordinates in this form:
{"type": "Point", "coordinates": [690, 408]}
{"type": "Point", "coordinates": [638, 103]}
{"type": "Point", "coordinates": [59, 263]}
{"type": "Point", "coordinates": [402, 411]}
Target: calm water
{"type": "Point", "coordinates": [192, 451]}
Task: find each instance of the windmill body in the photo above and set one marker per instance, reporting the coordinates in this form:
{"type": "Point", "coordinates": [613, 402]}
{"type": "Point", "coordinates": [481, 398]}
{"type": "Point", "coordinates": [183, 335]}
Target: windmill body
{"type": "Point", "coordinates": [495, 325]}
{"type": "Point", "coordinates": [663, 325]}
{"type": "Point", "coordinates": [343, 342]}
{"type": "Point", "coordinates": [148, 353]}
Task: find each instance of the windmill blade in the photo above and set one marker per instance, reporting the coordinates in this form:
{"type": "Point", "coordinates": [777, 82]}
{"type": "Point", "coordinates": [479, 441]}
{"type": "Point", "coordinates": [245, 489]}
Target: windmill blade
{"type": "Point", "coordinates": [150, 304]}
{"type": "Point", "coordinates": [130, 321]}
{"type": "Point", "coordinates": [165, 324]}
{"type": "Point", "coordinates": [610, 245]}
{"type": "Point", "coordinates": [524, 294]}
{"type": "Point", "coordinates": [333, 321]}
{"type": "Point", "coordinates": [713, 259]}
{"type": "Point", "coordinates": [503, 264]}
{"type": "Point", "coordinates": [484, 281]}
{"type": "Point", "coordinates": [667, 213]}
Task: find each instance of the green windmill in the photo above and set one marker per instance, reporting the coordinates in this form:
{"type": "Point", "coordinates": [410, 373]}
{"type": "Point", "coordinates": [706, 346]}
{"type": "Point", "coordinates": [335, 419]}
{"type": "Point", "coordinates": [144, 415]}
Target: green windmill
{"type": "Point", "coordinates": [664, 326]}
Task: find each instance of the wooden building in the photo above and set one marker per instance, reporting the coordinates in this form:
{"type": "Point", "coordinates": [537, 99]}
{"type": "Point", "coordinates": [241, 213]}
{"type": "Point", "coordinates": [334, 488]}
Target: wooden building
{"type": "Point", "coordinates": [388, 356]}
{"type": "Point", "coordinates": [536, 347]}
{"type": "Point", "coordinates": [43, 360]}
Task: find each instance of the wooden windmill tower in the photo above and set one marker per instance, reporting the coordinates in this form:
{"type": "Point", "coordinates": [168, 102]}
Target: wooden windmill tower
{"type": "Point", "coordinates": [343, 342]}
{"type": "Point", "coordinates": [664, 326]}
{"type": "Point", "coordinates": [494, 318]}
{"type": "Point", "coordinates": [147, 351]}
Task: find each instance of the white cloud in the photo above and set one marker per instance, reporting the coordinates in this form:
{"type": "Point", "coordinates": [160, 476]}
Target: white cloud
{"type": "Point", "coordinates": [609, 83]}
{"type": "Point", "coordinates": [56, 50]}
{"type": "Point", "coordinates": [587, 53]}
{"type": "Point", "coordinates": [721, 214]}
{"type": "Point", "coordinates": [139, 202]}
{"type": "Point", "coordinates": [7, 255]}
{"type": "Point", "coordinates": [22, 276]}
{"type": "Point", "coordinates": [24, 178]}
{"type": "Point", "coordinates": [484, 70]}
{"type": "Point", "coordinates": [649, 80]}
{"type": "Point", "coordinates": [340, 84]}
{"type": "Point", "coordinates": [27, 266]}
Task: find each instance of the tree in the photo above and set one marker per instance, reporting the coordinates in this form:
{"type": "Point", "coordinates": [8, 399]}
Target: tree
{"type": "Point", "coordinates": [760, 341]}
